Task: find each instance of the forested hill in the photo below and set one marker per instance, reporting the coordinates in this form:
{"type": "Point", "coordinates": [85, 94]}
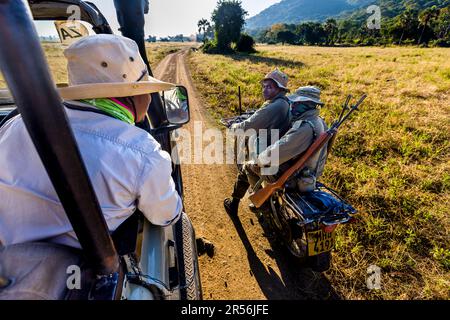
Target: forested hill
{"type": "Point", "coordinates": [393, 8]}
{"type": "Point", "coordinates": [297, 11]}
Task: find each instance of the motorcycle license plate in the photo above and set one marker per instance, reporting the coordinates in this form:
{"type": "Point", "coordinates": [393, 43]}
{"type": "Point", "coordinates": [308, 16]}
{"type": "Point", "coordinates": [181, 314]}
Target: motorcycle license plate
{"type": "Point", "coordinates": [319, 242]}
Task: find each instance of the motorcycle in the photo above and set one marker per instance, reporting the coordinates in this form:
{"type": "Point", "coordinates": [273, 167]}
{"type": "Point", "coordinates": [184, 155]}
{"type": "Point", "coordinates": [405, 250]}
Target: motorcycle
{"type": "Point", "coordinates": [304, 222]}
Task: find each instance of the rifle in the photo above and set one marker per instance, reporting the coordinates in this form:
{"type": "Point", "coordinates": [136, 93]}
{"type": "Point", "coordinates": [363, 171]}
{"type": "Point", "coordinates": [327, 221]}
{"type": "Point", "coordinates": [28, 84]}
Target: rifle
{"type": "Point", "coordinates": [344, 108]}
{"type": "Point", "coordinates": [258, 198]}
{"type": "Point", "coordinates": [240, 101]}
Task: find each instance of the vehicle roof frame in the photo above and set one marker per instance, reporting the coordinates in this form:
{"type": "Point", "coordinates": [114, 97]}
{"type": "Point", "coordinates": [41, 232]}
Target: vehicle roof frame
{"type": "Point", "coordinates": [57, 10]}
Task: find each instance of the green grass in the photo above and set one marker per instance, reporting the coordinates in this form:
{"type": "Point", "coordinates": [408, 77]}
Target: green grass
{"type": "Point", "coordinates": [391, 160]}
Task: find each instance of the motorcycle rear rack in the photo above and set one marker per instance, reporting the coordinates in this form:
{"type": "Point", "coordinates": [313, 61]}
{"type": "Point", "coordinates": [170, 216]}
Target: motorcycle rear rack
{"type": "Point", "coordinates": [327, 218]}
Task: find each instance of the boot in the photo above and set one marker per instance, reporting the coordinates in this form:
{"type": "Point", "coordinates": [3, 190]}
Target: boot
{"type": "Point", "coordinates": [231, 206]}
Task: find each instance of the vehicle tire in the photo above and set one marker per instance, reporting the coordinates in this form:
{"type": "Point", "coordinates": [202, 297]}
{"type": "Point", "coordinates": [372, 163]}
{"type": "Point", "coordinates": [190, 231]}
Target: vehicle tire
{"type": "Point", "coordinates": [189, 275]}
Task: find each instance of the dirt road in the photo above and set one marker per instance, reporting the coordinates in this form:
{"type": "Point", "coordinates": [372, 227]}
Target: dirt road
{"type": "Point", "coordinates": [244, 266]}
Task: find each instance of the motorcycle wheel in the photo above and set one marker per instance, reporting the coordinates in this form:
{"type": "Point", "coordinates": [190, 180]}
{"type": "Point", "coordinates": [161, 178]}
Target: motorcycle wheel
{"type": "Point", "coordinates": [321, 262]}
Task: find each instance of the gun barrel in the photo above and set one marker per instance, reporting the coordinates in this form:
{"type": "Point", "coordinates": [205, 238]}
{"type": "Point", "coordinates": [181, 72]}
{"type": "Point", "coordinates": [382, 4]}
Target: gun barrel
{"type": "Point", "coordinates": [345, 107]}
{"type": "Point", "coordinates": [352, 109]}
{"type": "Point", "coordinates": [240, 100]}
{"type": "Point", "coordinates": [361, 100]}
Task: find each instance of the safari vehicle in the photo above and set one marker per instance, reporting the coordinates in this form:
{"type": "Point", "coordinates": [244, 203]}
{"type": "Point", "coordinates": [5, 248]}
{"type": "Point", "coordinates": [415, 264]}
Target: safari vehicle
{"type": "Point", "coordinates": [138, 261]}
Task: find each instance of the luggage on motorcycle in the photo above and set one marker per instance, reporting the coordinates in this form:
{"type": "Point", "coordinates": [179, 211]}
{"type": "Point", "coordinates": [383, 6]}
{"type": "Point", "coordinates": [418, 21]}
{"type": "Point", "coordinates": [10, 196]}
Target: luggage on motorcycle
{"type": "Point", "coordinates": [320, 202]}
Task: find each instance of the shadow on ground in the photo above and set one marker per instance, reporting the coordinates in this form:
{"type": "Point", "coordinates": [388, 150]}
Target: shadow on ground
{"type": "Point", "coordinates": [294, 282]}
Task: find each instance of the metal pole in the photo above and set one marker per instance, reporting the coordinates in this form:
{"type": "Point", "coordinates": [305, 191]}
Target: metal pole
{"type": "Point", "coordinates": [130, 14]}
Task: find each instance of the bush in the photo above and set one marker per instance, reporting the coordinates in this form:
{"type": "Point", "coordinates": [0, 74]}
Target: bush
{"type": "Point", "coordinates": [210, 47]}
{"type": "Point", "coordinates": [371, 42]}
{"type": "Point", "coordinates": [409, 42]}
{"type": "Point", "coordinates": [245, 44]}
{"type": "Point", "coordinates": [440, 43]}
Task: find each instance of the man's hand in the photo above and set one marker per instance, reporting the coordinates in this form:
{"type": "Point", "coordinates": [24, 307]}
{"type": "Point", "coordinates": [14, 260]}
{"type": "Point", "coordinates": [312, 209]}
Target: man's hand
{"type": "Point", "coordinates": [253, 167]}
{"type": "Point", "coordinates": [234, 126]}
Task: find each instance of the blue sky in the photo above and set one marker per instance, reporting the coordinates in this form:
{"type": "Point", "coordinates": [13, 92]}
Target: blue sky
{"type": "Point", "coordinates": [168, 17]}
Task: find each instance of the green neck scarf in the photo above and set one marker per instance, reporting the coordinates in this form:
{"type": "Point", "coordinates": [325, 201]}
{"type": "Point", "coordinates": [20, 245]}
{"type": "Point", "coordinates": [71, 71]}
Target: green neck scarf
{"type": "Point", "coordinates": [112, 108]}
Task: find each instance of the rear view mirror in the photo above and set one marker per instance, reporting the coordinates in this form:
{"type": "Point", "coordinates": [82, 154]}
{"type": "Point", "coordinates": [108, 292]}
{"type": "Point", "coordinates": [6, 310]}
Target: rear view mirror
{"type": "Point", "coordinates": [176, 105]}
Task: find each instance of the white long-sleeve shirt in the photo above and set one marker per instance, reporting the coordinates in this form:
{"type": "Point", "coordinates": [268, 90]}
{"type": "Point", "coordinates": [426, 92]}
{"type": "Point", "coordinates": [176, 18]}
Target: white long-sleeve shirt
{"type": "Point", "coordinates": [126, 166]}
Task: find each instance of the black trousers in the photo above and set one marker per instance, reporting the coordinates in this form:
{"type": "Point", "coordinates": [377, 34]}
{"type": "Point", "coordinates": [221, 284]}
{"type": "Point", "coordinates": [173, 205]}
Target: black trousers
{"type": "Point", "coordinates": [245, 178]}
{"type": "Point", "coordinates": [241, 185]}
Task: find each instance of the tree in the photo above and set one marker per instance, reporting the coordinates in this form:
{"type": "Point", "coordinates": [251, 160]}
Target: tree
{"type": "Point", "coordinates": [286, 37]}
{"type": "Point", "coordinates": [406, 20]}
{"type": "Point", "coordinates": [346, 30]}
{"type": "Point", "coordinates": [151, 39]}
{"type": "Point", "coordinates": [203, 25]}
{"type": "Point", "coordinates": [270, 35]}
{"type": "Point", "coordinates": [443, 26]}
{"type": "Point", "coordinates": [245, 44]}
{"type": "Point", "coordinates": [331, 29]}
{"type": "Point", "coordinates": [229, 19]}
{"type": "Point", "coordinates": [311, 33]}
{"type": "Point", "coordinates": [425, 17]}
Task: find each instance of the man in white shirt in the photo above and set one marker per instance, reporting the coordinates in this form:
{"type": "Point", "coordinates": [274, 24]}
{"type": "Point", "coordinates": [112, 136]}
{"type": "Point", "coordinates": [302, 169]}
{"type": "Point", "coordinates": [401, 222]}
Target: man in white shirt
{"type": "Point", "coordinates": [108, 92]}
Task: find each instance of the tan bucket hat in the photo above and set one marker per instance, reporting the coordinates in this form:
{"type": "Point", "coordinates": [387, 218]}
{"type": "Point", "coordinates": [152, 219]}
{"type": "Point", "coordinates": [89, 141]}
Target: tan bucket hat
{"type": "Point", "coordinates": [280, 78]}
{"type": "Point", "coordinates": [106, 65]}
{"type": "Point", "coordinates": [308, 93]}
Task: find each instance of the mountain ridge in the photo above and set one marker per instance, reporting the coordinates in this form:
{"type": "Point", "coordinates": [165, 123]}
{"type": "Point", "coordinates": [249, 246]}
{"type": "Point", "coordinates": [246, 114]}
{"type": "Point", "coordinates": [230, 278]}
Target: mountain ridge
{"type": "Point", "coordinates": [298, 11]}
{"type": "Point", "coordinates": [295, 11]}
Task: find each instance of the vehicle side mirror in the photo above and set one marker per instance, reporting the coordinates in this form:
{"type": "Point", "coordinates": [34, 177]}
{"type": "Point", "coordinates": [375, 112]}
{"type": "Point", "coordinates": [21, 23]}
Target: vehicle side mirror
{"type": "Point", "coordinates": [176, 105]}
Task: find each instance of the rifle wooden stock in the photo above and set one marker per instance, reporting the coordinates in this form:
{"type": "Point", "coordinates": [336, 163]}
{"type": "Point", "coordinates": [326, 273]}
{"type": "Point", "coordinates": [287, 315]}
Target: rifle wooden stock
{"type": "Point", "coordinates": [261, 196]}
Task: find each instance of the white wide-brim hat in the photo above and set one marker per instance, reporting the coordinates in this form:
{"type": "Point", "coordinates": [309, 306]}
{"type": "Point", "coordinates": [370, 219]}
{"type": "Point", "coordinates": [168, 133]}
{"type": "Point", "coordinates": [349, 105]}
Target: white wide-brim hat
{"type": "Point", "coordinates": [105, 65]}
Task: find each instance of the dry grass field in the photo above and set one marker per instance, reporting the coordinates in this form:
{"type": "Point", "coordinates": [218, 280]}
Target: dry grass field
{"type": "Point", "coordinates": [391, 160]}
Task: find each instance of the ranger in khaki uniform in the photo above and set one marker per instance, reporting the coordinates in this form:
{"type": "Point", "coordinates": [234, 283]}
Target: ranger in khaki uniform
{"type": "Point", "coordinates": [274, 114]}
